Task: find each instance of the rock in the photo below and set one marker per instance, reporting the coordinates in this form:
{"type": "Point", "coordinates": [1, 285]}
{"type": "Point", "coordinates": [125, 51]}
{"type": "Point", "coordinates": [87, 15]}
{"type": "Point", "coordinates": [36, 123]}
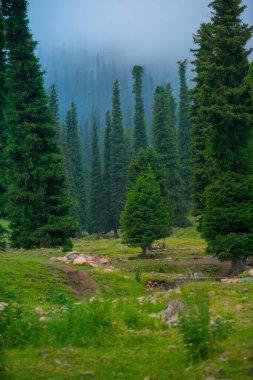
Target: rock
{"type": "Point", "coordinates": [173, 310]}
{"type": "Point", "coordinates": [210, 378]}
{"type": "Point", "coordinates": [238, 307]}
{"type": "Point", "coordinates": [43, 319]}
{"type": "Point", "coordinates": [104, 261]}
{"type": "Point", "coordinates": [54, 259]}
{"type": "Point", "coordinates": [245, 290]}
{"type": "Point", "coordinates": [211, 294]}
{"type": "Point", "coordinates": [251, 272]}
{"type": "Point", "coordinates": [246, 279]}
{"type": "Point", "coordinates": [89, 373]}
{"type": "Point", "coordinates": [72, 255]}
{"type": "Point", "coordinates": [58, 361]}
{"type": "Point", "coordinates": [3, 305]}
{"type": "Point", "coordinates": [80, 260]}
{"type": "Point", "coordinates": [39, 310]}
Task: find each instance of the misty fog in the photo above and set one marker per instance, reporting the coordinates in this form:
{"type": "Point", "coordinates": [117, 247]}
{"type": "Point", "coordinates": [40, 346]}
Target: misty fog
{"type": "Point", "coordinates": [86, 44]}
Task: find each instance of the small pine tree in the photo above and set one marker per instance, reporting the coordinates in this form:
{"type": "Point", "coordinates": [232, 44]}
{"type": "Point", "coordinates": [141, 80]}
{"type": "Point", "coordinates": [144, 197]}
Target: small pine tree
{"type": "Point", "coordinates": [140, 135]}
{"type": "Point", "coordinates": [144, 219]}
{"type": "Point", "coordinates": [96, 207]}
{"type": "Point", "coordinates": [184, 131]}
{"type": "Point", "coordinates": [54, 110]}
{"type": "Point", "coordinates": [165, 143]}
{"type": "Point", "coordinates": [76, 170]}
{"type": "Point", "coordinates": [38, 205]}
{"type": "Point", "coordinates": [118, 161]}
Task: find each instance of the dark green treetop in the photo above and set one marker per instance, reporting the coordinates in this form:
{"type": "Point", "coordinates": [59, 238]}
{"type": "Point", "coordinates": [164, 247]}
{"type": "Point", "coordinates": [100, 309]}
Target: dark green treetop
{"type": "Point", "coordinates": [107, 173]}
{"type": "Point", "coordinates": [140, 135]}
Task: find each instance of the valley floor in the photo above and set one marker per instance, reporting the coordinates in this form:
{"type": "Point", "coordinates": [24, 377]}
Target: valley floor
{"type": "Point", "coordinates": [65, 321]}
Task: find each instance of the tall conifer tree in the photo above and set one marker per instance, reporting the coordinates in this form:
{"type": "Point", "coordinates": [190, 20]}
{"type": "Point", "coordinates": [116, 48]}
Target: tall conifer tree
{"type": "Point", "coordinates": [118, 160]}
{"type": "Point", "coordinates": [96, 207]}
{"type": "Point", "coordinates": [184, 131]}
{"type": "Point", "coordinates": [140, 135]}
{"type": "Point", "coordinates": [200, 167]}
{"type": "Point", "coordinates": [107, 173]}
{"type": "Point", "coordinates": [228, 213]}
{"type": "Point", "coordinates": [76, 169]}
{"type": "Point", "coordinates": [165, 143]}
{"type": "Point", "coordinates": [3, 130]}
{"type": "Point", "coordinates": [38, 203]}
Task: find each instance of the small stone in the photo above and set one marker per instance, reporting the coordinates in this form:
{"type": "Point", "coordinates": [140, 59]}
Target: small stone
{"type": "Point", "coordinates": [211, 294]}
{"type": "Point", "coordinates": [39, 310]}
{"type": "Point", "coordinates": [58, 361]}
{"type": "Point", "coordinates": [43, 319]}
{"type": "Point", "coordinates": [3, 305]}
{"type": "Point", "coordinates": [246, 279]}
{"type": "Point", "coordinates": [238, 307]}
{"type": "Point", "coordinates": [210, 378]}
{"type": "Point", "coordinates": [89, 373]}
{"type": "Point", "coordinates": [72, 256]}
{"type": "Point", "coordinates": [245, 290]}
{"type": "Point", "coordinates": [146, 378]}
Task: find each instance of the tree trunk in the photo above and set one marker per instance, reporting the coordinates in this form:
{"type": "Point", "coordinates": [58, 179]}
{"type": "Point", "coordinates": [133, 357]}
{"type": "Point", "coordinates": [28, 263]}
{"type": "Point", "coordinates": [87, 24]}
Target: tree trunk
{"type": "Point", "coordinates": [115, 232]}
{"type": "Point", "coordinates": [144, 251]}
{"type": "Point", "coordinates": [237, 266]}
{"type": "Point", "coordinates": [250, 261]}
{"type": "Point", "coordinates": [99, 235]}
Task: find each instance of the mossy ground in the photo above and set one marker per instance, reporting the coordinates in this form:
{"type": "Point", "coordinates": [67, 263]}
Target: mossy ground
{"type": "Point", "coordinates": [117, 339]}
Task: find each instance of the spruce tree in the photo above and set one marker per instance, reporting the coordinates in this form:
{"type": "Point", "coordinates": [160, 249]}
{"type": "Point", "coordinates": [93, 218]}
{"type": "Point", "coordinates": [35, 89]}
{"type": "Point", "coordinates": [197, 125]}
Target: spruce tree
{"type": "Point", "coordinates": [184, 131]}
{"type": "Point", "coordinates": [227, 222]}
{"type": "Point", "coordinates": [54, 110]}
{"type": "Point", "coordinates": [118, 160]}
{"type": "Point", "coordinates": [38, 205]}
{"type": "Point", "coordinates": [140, 135]}
{"type": "Point", "coordinates": [165, 143]}
{"type": "Point", "coordinates": [76, 169]}
{"type": "Point", "coordinates": [107, 174]}
{"type": "Point", "coordinates": [144, 218]}
{"type": "Point", "coordinates": [96, 207]}
{"type": "Point", "coordinates": [3, 129]}
{"type": "Point", "coordinates": [200, 167]}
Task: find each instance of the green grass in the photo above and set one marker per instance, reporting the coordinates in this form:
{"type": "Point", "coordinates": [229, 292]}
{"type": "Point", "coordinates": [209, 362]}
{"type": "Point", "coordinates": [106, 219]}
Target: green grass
{"type": "Point", "coordinates": [110, 332]}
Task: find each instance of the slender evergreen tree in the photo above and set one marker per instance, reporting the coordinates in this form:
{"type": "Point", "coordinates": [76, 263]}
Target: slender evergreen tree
{"type": "Point", "coordinates": [165, 143]}
{"type": "Point", "coordinates": [38, 205]}
{"type": "Point", "coordinates": [200, 167]}
{"type": "Point", "coordinates": [54, 109]}
{"type": "Point", "coordinates": [3, 129]}
{"type": "Point", "coordinates": [76, 170]}
{"type": "Point", "coordinates": [107, 174]}
{"type": "Point", "coordinates": [96, 220]}
{"type": "Point", "coordinates": [144, 218]}
{"type": "Point", "coordinates": [140, 135]}
{"type": "Point", "coordinates": [118, 160]}
{"type": "Point", "coordinates": [227, 222]}
{"type": "Point", "coordinates": [184, 131]}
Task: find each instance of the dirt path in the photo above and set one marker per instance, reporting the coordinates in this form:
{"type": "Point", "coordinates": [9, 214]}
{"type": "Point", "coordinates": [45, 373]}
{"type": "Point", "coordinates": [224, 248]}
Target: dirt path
{"type": "Point", "coordinates": [76, 280]}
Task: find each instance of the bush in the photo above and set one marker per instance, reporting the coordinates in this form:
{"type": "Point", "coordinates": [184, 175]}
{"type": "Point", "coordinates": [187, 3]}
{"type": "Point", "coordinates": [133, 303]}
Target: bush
{"type": "Point", "coordinates": [200, 333]}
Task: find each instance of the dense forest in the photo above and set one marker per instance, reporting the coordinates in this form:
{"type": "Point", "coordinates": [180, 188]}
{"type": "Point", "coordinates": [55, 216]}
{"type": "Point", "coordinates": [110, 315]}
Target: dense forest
{"type": "Point", "coordinates": [128, 154]}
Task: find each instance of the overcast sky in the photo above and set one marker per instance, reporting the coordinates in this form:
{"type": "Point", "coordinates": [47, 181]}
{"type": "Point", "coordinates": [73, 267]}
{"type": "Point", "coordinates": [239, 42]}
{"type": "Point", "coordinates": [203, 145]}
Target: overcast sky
{"type": "Point", "coordinates": [140, 29]}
